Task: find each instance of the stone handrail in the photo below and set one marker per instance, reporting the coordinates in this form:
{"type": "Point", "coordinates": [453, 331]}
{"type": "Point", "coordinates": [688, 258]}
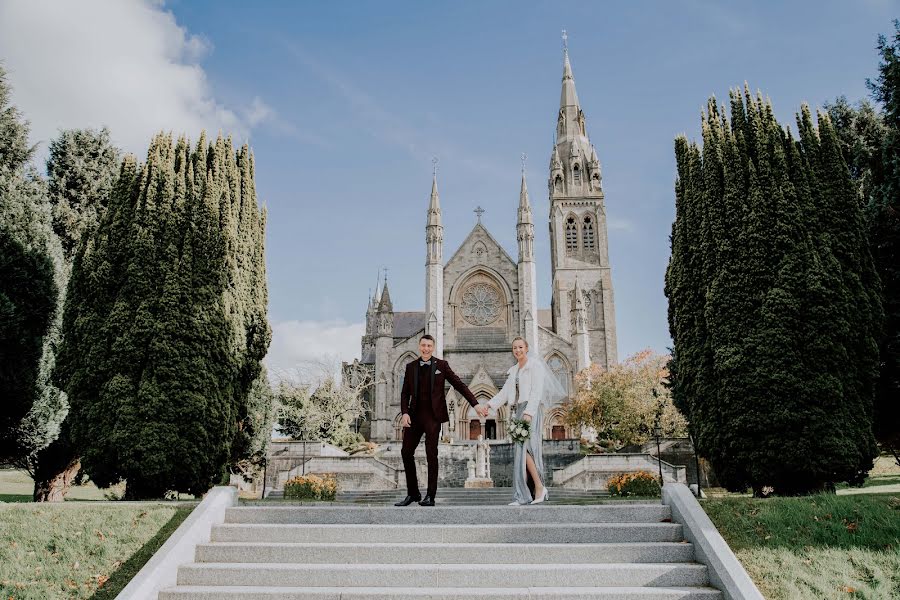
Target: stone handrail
{"type": "Point", "coordinates": [601, 462]}
{"type": "Point", "coordinates": [161, 571]}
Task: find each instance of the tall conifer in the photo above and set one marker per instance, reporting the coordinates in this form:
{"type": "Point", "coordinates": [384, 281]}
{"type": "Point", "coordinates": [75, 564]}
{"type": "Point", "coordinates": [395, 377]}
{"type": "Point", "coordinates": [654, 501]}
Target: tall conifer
{"type": "Point", "coordinates": [785, 395]}
{"type": "Point", "coordinates": [160, 368]}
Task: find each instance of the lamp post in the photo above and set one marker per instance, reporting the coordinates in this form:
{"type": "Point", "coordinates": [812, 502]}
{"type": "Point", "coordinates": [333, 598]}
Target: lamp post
{"type": "Point", "coordinates": [657, 430]}
{"type": "Point", "coordinates": [696, 463]}
{"type": "Point", "coordinates": [265, 472]}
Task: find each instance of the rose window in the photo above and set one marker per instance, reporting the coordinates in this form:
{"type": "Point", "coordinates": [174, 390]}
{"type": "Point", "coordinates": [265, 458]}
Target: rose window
{"type": "Point", "coordinates": [481, 304]}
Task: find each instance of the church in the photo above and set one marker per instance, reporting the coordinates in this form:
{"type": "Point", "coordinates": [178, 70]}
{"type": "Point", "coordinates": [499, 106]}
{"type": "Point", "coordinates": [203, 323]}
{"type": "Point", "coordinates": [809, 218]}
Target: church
{"type": "Point", "coordinates": [481, 298]}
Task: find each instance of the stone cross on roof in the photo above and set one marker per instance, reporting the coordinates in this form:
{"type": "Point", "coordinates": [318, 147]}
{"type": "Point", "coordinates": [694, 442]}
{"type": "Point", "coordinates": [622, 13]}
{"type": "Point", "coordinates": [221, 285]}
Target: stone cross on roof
{"type": "Point", "coordinates": [479, 211]}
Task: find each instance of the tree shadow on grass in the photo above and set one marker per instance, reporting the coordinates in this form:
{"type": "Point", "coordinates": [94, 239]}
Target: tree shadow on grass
{"type": "Point", "coordinates": [15, 498]}
{"type": "Point", "coordinates": [126, 572]}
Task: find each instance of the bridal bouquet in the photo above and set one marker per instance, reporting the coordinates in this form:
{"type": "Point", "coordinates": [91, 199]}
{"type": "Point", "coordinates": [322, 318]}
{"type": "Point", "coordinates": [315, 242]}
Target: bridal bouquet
{"type": "Point", "coordinates": [519, 430]}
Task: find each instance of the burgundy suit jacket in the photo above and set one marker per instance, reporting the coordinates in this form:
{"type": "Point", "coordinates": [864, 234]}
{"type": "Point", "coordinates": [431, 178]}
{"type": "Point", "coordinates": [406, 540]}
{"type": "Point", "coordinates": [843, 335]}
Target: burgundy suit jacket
{"type": "Point", "coordinates": [440, 373]}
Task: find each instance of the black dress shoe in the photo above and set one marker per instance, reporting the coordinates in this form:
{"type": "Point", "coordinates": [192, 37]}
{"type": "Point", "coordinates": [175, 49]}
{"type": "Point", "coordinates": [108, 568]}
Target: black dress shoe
{"type": "Point", "coordinates": [407, 501]}
{"type": "Point", "coordinates": [427, 501]}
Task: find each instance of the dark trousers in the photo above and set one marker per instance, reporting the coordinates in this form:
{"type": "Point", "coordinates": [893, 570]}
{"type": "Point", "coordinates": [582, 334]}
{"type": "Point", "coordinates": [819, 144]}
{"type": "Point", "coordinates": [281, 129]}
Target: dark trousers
{"type": "Point", "coordinates": [424, 422]}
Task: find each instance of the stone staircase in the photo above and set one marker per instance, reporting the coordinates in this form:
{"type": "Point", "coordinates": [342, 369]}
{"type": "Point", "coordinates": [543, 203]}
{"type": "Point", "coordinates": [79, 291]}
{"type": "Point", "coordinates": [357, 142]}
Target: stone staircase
{"type": "Point", "coordinates": [622, 551]}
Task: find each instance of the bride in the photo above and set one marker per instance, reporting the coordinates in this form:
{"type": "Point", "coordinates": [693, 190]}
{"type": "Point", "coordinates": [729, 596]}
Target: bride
{"type": "Point", "coordinates": [529, 385]}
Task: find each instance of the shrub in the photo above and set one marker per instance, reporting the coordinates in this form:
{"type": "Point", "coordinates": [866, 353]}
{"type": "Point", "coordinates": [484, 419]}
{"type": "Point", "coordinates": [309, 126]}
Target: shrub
{"type": "Point", "coordinates": [640, 483]}
{"type": "Point", "coordinates": [311, 487]}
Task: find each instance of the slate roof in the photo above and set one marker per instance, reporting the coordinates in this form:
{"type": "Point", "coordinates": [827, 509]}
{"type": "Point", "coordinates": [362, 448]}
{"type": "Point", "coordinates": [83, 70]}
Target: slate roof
{"type": "Point", "coordinates": [545, 317]}
{"type": "Point", "coordinates": [408, 323]}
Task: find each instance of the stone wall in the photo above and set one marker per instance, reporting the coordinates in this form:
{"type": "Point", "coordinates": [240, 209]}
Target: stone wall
{"type": "Point", "coordinates": [557, 455]}
{"type": "Point", "coordinates": [378, 472]}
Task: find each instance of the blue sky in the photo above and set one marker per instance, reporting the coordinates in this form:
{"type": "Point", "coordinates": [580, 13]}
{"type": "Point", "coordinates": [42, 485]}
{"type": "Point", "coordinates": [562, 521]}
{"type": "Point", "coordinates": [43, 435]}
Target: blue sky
{"type": "Point", "coordinates": [346, 103]}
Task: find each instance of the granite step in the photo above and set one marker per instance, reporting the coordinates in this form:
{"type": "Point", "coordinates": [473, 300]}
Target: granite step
{"type": "Point", "coordinates": [445, 593]}
{"type": "Point", "coordinates": [515, 533]}
{"type": "Point", "coordinates": [459, 515]}
{"type": "Point", "coordinates": [445, 575]}
{"type": "Point", "coordinates": [437, 553]}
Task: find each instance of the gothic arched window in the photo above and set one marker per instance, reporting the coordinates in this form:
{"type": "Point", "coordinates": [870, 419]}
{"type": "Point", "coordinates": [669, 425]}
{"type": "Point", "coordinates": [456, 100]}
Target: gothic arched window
{"type": "Point", "coordinates": [559, 369]}
{"type": "Point", "coordinates": [588, 234]}
{"type": "Point", "coordinates": [571, 234]}
{"type": "Point", "coordinates": [576, 175]}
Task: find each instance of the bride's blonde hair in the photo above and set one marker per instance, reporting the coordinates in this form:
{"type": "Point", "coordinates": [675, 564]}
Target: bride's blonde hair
{"type": "Point", "coordinates": [519, 337]}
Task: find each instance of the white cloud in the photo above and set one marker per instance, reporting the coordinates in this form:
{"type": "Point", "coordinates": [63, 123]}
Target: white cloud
{"type": "Point", "coordinates": [619, 224]}
{"type": "Point", "coordinates": [306, 345]}
{"type": "Point", "coordinates": [259, 112]}
{"type": "Point", "coordinates": [418, 140]}
{"type": "Point", "coordinates": [124, 64]}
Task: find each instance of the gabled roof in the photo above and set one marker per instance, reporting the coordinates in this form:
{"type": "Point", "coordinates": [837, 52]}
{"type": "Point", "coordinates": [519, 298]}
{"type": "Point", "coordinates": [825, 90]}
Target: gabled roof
{"type": "Point", "coordinates": [480, 228]}
{"type": "Point", "coordinates": [554, 334]}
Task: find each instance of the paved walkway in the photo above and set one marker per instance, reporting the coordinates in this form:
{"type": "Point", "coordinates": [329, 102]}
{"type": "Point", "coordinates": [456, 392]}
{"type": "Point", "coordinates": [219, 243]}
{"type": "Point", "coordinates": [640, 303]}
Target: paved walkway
{"type": "Point", "coordinates": [875, 489]}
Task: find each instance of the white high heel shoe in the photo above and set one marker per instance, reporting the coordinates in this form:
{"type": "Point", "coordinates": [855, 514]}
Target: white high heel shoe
{"type": "Point", "coordinates": [543, 497]}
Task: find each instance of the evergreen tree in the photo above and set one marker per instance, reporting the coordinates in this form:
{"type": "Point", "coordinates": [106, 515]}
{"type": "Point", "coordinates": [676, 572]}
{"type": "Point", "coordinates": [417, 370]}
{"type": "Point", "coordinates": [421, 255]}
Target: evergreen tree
{"type": "Point", "coordinates": [14, 149]}
{"type": "Point", "coordinates": [774, 345]}
{"type": "Point", "coordinates": [255, 429]}
{"type": "Point", "coordinates": [28, 293]}
{"type": "Point", "coordinates": [861, 132]}
{"type": "Point", "coordinates": [32, 274]}
{"type": "Point", "coordinates": [884, 210]}
{"type": "Point", "coordinates": [81, 169]}
{"type": "Point", "coordinates": [164, 336]}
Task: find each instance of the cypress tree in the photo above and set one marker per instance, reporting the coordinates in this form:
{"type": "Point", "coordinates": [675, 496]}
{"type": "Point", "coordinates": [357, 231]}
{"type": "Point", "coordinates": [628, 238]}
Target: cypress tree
{"type": "Point", "coordinates": [32, 274]}
{"type": "Point", "coordinates": [160, 368]}
{"type": "Point", "coordinates": [884, 232]}
{"type": "Point", "coordinates": [784, 402]}
{"type": "Point", "coordinates": [81, 169]}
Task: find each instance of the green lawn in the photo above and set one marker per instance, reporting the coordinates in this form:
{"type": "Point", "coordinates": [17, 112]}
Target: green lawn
{"type": "Point", "coordinates": [815, 547]}
{"type": "Point", "coordinates": [79, 550]}
{"type": "Point", "coordinates": [17, 486]}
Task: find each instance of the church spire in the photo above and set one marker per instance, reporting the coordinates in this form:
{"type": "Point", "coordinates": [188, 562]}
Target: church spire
{"type": "Point", "coordinates": [568, 97]}
{"type": "Point", "coordinates": [434, 267]}
{"type": "Point", "coordinates": [525, 223]}
{"type": "Point", "coordinates": [385, 306]}
{"type": "Point", "coordinates": [524, 204]}
{"type": "Point", "coordinates": [526, 267]}
{"type": "Point", "coordinates": [434, 206]}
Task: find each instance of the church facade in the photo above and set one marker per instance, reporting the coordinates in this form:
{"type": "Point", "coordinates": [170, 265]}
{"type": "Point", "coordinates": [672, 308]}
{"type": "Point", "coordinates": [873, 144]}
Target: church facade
{"type": "Point", "coordinates": [481, 298]}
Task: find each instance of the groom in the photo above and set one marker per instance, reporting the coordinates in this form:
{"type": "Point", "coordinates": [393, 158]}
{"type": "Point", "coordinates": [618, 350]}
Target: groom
{"type": "Point", "coordinates": [424, 408]}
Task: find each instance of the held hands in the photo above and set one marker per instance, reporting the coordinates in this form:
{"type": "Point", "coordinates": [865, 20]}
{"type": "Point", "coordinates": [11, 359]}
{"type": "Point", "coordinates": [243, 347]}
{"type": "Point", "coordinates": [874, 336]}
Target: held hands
{"type": "Point", "coordinates": [404, 421]}
{"type": "Point", "coordinates": [482, 410]}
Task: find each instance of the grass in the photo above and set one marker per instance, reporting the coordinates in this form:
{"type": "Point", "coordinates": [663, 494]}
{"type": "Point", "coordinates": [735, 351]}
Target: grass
{"type": "Point", "coordinates": [79, 550]}
{"type": "Point", "coordinates": [815, 547]}
{"type": "Point", "coordinates": [17, 486]}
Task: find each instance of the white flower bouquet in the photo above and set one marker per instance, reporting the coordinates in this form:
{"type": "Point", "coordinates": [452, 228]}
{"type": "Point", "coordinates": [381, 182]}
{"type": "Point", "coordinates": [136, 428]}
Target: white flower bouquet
{"type": "Point", "coordinates": [519, 430]}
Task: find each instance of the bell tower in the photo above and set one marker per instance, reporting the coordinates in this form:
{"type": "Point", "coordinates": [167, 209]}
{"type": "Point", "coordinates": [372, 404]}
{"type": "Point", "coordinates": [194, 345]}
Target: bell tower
{"type": "Point", "coordinates": [578, 233]}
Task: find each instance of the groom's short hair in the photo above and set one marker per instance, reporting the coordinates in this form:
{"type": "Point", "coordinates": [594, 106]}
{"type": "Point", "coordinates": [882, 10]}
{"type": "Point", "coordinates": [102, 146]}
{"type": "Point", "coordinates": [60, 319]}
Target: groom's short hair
{"type": "Point", "coordinates": [427, 337]}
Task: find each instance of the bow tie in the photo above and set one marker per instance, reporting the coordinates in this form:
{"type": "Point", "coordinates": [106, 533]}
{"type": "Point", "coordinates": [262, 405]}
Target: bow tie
{"type": "Point", "coordinates": [422, 363]}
